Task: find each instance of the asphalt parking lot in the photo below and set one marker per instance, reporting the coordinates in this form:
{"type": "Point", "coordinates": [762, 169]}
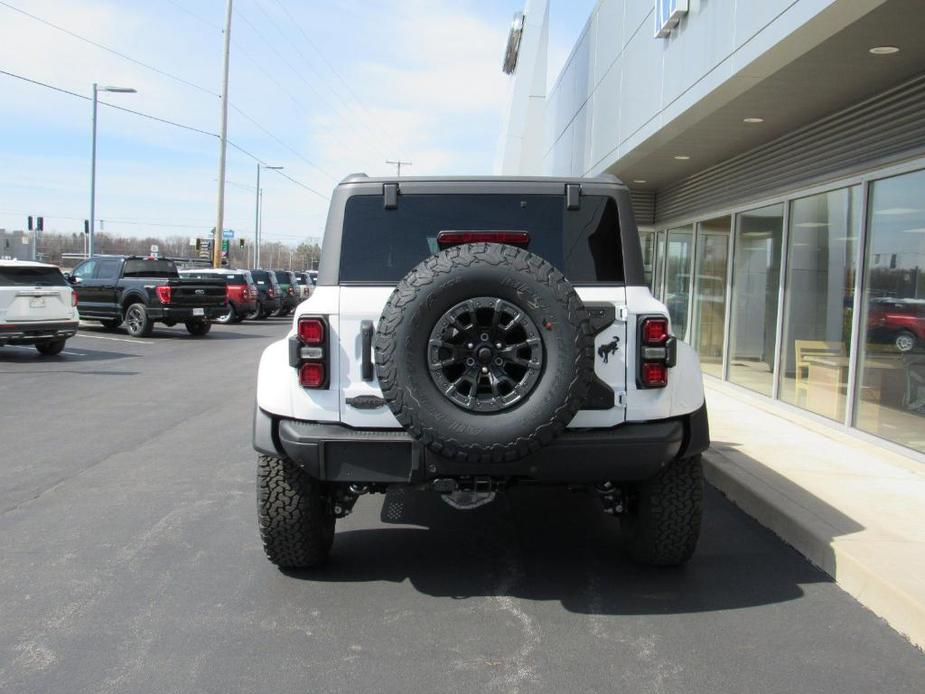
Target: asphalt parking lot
{"type": "Point", "coordinates": [131, 563]}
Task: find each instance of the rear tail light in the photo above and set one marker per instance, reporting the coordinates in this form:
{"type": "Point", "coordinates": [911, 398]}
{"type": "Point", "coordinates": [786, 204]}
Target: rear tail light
{"type": "Point", "coordinates": [270, 292]}
{"type": "Point", "coordinates": [654, 331]}
{"type": "Point", "coordinates": [657, 352]}
{"type": "Point", "coordinates": [164, 294]}
{"type": "Point", "coordinates": [308, 352]}
{"type": "Point", "coordinates": [289, 291]}
{"type": "Point", "coordinates": [456, 237]}
{"type": "Point", "coordinates": [311, 331]}
{"type": "Point", "coordinates": [73, 298]}
{"type": "Point", "coordinates": [655, 374]}
{"type": "Point", "coordinates": [311, 374]}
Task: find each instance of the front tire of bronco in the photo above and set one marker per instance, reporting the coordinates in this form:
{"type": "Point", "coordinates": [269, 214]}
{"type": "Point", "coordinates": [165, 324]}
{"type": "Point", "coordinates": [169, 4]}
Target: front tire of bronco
{"type": "Point", "coordinates": [663, 521]}
{"type": "Point", "coordinates": [295, 516]}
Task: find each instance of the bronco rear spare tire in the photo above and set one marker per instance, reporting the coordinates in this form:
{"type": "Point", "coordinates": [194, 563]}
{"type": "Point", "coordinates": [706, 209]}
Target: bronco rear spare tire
{"type": "Point", "coordinates": [484, 352]}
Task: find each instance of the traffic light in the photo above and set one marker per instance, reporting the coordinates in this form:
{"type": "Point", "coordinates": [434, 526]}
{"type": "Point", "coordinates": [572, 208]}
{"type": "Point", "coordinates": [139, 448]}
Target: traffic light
{"type": "Point", "coordinates": [29, 218]}
{"type": "Point", "coordinates": [86, 226]}
{"type": "Point", "coordinates": [240, 243]}
{"type": "Point", "coordinates": [40, 223]}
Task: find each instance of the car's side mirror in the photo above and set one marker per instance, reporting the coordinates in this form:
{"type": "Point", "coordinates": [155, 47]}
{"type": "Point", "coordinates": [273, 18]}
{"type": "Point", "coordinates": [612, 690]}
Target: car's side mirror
{"type": "Point", "coordinates": [72, 279]}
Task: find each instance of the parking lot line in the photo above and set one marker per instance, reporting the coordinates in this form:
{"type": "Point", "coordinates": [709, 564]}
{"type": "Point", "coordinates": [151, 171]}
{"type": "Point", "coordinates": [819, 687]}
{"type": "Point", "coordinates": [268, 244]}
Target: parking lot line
{"type": "Point", "coordinates": [114, 339]}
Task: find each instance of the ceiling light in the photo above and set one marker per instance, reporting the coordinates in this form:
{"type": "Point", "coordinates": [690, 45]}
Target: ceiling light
{"type": "Point", "coordinates": [884, 50]}
{"type": "Point", "coordinates": [812, 225]}
{"type": "Point", "coordinates": [681, 157]}
{"type": "Point", "coordinates": [753, 119]}
{"type": "Point", "coordinates": [892, 211]}
{"type": "Point", "coordinates": [639, 180]}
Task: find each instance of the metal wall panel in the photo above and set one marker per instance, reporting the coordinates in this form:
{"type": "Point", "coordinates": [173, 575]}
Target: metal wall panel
{"type": "Point", "coordinates": [885, 128]}
{"type": "Point", "coordinates": [643, 205]}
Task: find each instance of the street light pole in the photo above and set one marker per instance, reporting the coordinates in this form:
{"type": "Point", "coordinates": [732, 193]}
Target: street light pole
{"type": "Point", "coordinates": [220, 221]}
{"type": "Point", "coordinates": [96, 90]}
{"type": "Point", "coordinates": [257, 211]}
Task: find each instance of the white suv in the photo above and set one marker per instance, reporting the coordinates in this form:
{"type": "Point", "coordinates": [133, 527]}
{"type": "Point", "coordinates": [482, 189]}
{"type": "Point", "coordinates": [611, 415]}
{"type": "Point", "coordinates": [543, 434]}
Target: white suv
{"type": "Point", "coordinates": [472, 334]}
{"type": "Point", "coordinates": [37, 306]}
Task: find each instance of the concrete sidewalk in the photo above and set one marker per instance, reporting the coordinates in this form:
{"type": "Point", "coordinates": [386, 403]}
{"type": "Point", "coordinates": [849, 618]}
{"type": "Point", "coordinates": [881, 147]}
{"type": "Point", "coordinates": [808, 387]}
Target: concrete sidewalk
{"type": "Point", "coordinates": [852, 508]}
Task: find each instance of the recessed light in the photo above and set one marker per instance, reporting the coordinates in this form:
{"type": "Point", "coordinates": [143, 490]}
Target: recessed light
{"type": "Point", "coordinates": [639, 180]}
{"type": "Point", "coordinates": [753, 119]}
{"type": "Point", "coordinates": [681, 157]}
{"type": "Point", "coordinates": [884, 50]}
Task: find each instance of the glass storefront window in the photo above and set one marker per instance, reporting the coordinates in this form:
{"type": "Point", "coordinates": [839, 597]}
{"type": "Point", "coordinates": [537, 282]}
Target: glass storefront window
{"type": "Point", "coordinates": [816, 343]}
{"type": "Point", "coordinates": [709, 306]}
{"type": "Point", "coordinates": [891, 375]}
{"type": "Point", "coordinates": [647, 239]}
{"type": "Point", "coordinates": [755, 285]}
{"type": "Point", "coordinates": [678, 260]}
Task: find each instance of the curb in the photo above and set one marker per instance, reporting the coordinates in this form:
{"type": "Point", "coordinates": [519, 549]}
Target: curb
{"type": "Point", "coordinates": [844, 560]}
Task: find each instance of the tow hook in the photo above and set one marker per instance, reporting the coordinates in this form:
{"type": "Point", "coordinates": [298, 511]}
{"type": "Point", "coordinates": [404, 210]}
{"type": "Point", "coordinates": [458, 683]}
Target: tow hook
{"type": "Point", "coordinates": [611, 498]}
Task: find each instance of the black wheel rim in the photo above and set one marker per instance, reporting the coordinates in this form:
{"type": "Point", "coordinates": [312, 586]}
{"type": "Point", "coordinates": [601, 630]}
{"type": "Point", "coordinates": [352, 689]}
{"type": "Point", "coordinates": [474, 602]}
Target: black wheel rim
{"type": "Point", "coordinates": [134, 319]}
{"type": "Point", "coordinates": [485, 354]}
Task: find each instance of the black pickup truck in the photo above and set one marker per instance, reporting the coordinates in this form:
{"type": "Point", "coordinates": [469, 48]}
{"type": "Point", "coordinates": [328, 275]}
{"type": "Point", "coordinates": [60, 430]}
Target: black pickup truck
{"type": "Point", "coordinates": [142, 291]}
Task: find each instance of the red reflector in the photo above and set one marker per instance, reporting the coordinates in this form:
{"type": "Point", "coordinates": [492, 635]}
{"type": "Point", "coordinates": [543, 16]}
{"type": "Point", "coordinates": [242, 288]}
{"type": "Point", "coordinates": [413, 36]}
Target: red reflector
{"type": "Point", "coordinates": [311, 375]}
{"type": "Point", "coordinates": [655, 373]}
{"type": "Point", "coordinates": [457, 237]}
{"type": "Point", "coordinates": [311, 331]}
{"type": "Point", "coordinates": [654, 331]}
{"type": "Point", "coordinates": [164, 293]}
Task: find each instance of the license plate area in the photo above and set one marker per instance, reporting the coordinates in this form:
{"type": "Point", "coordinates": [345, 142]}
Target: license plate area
{"type": "Point", "coordinates": [199, 312]}
{"type": "Point", "coordinates": [37, 302]}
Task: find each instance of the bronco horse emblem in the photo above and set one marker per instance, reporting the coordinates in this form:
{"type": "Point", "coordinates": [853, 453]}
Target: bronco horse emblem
{"type": "Point", "coordinates": [604, 351]}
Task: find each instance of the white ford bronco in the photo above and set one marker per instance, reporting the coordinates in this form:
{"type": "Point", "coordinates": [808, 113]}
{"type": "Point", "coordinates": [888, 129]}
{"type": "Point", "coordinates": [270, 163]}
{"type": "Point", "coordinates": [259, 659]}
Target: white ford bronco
{"type": "Point", "coordinates": [472, 334]}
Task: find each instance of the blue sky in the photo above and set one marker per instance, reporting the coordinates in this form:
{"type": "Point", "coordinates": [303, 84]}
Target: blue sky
{"type": "Point", "coordinates": [322, 88]}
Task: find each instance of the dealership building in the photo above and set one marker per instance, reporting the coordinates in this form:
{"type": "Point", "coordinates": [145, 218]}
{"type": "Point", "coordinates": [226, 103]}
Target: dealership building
{"type": "Point", "coordinates": [775, 150]}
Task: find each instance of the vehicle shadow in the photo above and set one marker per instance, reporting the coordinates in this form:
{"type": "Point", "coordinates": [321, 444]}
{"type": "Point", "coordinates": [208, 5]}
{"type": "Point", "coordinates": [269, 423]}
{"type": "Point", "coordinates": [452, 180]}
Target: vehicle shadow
{"type": "Point", "coordinates": [71, 355]}
{"type": "Point", "coordinates": [549, 544]}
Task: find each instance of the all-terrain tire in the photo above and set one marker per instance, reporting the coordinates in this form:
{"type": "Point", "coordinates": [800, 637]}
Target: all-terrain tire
{"type": "Point", "coordinates": [663, 521]}
{"type": "Point", "coordinates": [295, 516]}
{"type": "Point", "coordinates": [534, 287]}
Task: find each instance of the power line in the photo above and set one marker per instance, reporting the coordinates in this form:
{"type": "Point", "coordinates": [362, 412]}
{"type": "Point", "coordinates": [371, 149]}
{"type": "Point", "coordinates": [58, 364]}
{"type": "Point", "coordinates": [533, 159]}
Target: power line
{"type": "Point", "coordinates": [181, 80]}
{"type": "Point", "coordinates": [164, 73]}
{"type": "Point", "coordinates": [345, 115]}
{"type": "Point", "coordinates": [159, 120]}
{"type": "Point", "coordinates": [295, 22]}
{"type": "Point", "coordinates": [195, 16]}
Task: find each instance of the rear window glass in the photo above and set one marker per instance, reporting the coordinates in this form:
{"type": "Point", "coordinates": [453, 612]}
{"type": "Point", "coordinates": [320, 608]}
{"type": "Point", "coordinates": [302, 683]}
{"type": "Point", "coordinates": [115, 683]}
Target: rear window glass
{"type": "Point", "coordinates": [381, 245]}
{"type": "Point", "coordinates": [282, 277]}
{"type": "Point", "coordinates": [150, 268]}
{"type": "Point", "coordinates": [31, 276]}
{"type": "Point", "coordinates": [260, 276]}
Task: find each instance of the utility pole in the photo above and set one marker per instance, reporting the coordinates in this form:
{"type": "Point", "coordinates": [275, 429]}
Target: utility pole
{"type": "Point", "coordinates": [398, 165]}
{"type": "Point", "coordinates": [257, 211]}
{"type": "Point", "coordinates": [220, 222]}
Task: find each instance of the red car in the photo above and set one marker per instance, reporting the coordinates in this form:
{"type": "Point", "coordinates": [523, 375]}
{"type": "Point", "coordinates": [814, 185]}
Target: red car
{"type": "Point", "coordinates": [900, 321]}
{"type": "Point", "coordinates": [240, 289]}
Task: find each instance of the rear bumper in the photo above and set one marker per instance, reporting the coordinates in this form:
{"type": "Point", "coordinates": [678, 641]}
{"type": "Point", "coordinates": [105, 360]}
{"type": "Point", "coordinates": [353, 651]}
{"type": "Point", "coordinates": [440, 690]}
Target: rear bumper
{"type": "Point", "coordinates": [176, 314]}
{"type": "Point", "coordinates": [270, 304]}
{"type": "Point", "coordinates": [30, 333]}
{"type": "Point", "coordinates": [336, 453]}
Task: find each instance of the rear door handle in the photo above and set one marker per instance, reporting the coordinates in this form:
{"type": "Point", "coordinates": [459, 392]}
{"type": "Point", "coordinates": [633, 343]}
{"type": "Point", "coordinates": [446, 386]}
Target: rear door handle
{"type": "Point", "coordinates": [366, 334]}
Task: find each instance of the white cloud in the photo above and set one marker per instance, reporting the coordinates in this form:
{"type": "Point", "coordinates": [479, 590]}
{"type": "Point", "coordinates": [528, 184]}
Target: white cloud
{"type": "Point", "coordinates": [428, 74]}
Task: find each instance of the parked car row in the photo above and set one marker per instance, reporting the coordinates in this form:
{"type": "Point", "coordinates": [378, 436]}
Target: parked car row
{"type": "Point", "coordinates": [41, 306]}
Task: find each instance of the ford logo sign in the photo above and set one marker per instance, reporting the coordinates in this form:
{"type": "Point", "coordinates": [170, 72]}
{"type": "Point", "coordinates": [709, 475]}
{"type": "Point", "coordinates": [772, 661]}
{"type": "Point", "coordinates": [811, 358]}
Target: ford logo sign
{"type": "Point", "coordinates": [200, 291]}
